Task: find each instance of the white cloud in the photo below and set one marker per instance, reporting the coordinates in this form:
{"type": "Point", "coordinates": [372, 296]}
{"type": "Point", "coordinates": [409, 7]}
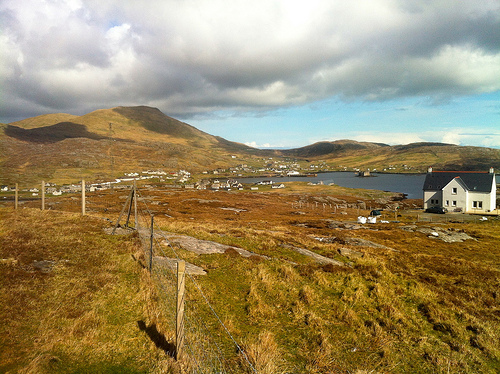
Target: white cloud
{"type": "Point", "coordinates": [394, 138]}
{"type": "Point", "coordinates": [265, 145]}
{"type": "Point", "coordinates": [199, 56]}
{"type": "Point", "coordinates": [457, 136]}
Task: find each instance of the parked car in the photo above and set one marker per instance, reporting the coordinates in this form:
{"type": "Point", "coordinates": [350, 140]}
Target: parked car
{"type": "Point", "coordinates": [436, 209]}
{"type": "Point", "coordinates": [375, 213]}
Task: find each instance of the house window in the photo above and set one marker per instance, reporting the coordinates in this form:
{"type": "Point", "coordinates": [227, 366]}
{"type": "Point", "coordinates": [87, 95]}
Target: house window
{"type": "Point", "coordinates": [454, 203]}
{"type": "Point", "coordinates": [447, 203]}
{"type": "Point", "coordinates": [477, 204]}
{"type": "Point", "coordinates": [454, 191]}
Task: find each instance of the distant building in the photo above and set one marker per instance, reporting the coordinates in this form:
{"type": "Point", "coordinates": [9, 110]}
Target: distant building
{"type": "Point", "coordinates": [364, 173]}
{"type": "Point", "coordinates": [460, 191]}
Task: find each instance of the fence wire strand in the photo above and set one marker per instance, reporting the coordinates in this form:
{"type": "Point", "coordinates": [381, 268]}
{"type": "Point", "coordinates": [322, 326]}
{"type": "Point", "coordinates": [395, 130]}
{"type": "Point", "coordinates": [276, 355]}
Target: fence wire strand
{"type": "Point", "coordinates": [209, 345]}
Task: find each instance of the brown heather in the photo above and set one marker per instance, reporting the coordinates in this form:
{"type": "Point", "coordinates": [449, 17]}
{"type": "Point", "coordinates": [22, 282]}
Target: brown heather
{"type": "Point", "coordinates": [416, 305]}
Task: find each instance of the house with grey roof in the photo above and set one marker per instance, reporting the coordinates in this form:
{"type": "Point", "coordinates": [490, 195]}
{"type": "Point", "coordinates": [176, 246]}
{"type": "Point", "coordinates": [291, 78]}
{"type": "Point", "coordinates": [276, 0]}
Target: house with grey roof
{"type": "Point", "coordinates": [460, 191]}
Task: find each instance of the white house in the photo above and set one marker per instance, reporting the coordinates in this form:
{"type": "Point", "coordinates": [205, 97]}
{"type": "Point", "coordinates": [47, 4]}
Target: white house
{"type": "Point", "coordinates": [460, 191]}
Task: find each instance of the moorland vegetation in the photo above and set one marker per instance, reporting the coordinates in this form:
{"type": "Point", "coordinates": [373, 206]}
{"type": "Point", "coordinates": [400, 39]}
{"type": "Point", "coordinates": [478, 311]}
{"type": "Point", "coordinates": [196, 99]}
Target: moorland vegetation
{"type": "Point", "coordinates": [402, 299]}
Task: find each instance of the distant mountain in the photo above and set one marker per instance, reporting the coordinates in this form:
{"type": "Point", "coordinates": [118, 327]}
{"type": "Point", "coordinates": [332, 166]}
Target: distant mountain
{"type": "Point", "coordinates": [334, 148]}
{"type": "Point", "coordinates": [106, 143]}
{"type": "Point", "coordinates": [415, 157]}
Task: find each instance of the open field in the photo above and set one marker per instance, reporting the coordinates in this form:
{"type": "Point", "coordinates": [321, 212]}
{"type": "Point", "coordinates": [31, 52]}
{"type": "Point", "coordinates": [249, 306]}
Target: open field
{"type": "Point", "coordinates": [414, 297]}
{"type": "Point", "coordinates": [71, 297]}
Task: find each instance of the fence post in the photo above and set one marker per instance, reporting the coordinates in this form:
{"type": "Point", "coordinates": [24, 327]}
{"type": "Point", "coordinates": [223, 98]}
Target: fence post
{"type": "Point", "coordinates": [83, 197]}
{"type": "Point", "coordinates": [43, 195]}
{"type": "Point", "coordinates": [130, 210]}
{"type": "Point", "coordinates": [151, 244]}
{"type": "Point", "coordinates": [136, 223]}
{"type": "Point", "coordinates": [16, 198]}
{"type": "Point", "coordinates": [179, 325]}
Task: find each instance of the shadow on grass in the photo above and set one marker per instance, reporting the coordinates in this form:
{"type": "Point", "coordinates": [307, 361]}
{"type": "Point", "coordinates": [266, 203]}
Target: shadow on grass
{"type": "Point", "coordinates": [158, 338]}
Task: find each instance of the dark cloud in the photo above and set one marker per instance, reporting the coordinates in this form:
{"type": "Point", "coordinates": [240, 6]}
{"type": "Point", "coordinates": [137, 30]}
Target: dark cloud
{"type": "Point", "coordinates": [198, 56]}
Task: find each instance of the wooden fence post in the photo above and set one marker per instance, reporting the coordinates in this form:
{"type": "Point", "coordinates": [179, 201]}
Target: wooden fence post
{"type": "Point", "coordinates": [83, 197]}
{"type": "Point", "coordinates": [179, 325]}
{"type": "Point", "coordinates": [16, 198]}
{"type": "Point", "coordinates": [43, 195]}
{"type": "Point", "coordinates": [128, 201]}
{"type": "Point", "coordinates": [130, 209]}
{"type": "Point", "coordinates": [136, 222]}
{"type": "Point", "coordinates": [151, 245]}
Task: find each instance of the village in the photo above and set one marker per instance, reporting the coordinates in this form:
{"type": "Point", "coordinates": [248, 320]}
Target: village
{"type": "Point", "coordinates": [216, 179]}
{"type": "Point", "coordinates": [443, 192]}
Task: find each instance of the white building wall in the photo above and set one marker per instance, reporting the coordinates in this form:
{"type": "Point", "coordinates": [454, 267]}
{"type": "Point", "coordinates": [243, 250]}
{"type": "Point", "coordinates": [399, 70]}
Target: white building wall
{"type": "Point", "coordinates": [493, 195]}
{"type": "Point", "coordinates": [430, 196]}
{"type": "Point", "coordinates": [456, 200]}
{"type": "Point", "coordinates": [483, 197]}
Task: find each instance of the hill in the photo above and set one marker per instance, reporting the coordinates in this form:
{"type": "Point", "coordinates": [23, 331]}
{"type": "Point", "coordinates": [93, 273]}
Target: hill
{"type": "Point", "coordinates": [106, 143]}
{"type": "Point", "coordinates": [332, 149]}
{"type": "Point", "coordinates": [415, 157]}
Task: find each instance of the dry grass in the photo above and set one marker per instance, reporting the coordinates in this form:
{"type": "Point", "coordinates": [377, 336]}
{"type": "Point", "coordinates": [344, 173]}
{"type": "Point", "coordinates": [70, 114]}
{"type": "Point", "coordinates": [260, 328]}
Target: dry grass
{"type": "Point", "coordinates": [80, 313]}
{"type": "Point", "coordinates": [417, 305]}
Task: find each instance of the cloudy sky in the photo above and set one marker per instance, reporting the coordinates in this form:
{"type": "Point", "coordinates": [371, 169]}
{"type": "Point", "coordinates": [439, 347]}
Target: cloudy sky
{"type": "Point", "coordinates": [269, 73]}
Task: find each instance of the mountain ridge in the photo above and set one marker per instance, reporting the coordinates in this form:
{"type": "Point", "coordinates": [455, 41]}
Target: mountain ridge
{"type": "Point", "coordinates": [106, 142]}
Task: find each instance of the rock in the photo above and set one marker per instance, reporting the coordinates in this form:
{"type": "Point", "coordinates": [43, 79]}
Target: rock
{"type": "Point", "coordinates": [235, 209]}
{"type": "Point", "coordinates": [409, 228]}
{"type": "Point", "coordinates": [200, 246]}
{"type": "Point", "coordinates": [317, 257]}
{"type": "Point", "coordinates": [45, 266]}
{"type": "Point", "coordinates": [448, 236]}
{"type": "Point", "coordinates": [350, 253]}
{"type": "Point", "coordinates": [344, 225]}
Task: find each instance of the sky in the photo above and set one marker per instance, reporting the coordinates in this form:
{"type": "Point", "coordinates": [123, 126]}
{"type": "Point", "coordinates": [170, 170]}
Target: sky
{"type": "Point", "coordinates": [267, 73]}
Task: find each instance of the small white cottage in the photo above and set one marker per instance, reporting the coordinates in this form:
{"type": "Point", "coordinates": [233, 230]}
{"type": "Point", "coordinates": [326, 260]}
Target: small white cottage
{"type": "Point", "coordinates": [460, 191]}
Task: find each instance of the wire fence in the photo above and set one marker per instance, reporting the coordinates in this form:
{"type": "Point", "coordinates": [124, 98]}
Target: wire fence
{"type": "Point", "coordinates": [208, 345]}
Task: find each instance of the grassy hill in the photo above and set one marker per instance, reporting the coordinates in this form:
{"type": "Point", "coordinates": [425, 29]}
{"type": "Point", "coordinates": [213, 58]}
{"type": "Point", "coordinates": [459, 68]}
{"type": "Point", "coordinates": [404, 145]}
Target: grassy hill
{"type": "Point", "coordinates": [104, 144]}
{"type": "Point", "coordinates": [415, 157]}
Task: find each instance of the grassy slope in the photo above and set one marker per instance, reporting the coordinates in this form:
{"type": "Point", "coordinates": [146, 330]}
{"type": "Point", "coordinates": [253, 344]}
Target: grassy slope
{"type": "Point", "coordinates": [83, 315]}
{"type": "Point", "coordinates": [428, 307]}
{"type": "Point", "coordinates": [138, 139]}
{"type": "Point", "coordinates": [424, 306]}
{"type": "Point", "coordinates": [441, 157]}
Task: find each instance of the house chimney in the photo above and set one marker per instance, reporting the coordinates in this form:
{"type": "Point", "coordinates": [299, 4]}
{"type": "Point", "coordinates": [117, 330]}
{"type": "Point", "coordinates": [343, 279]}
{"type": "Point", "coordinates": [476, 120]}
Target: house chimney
{"type": "Point", "coordinates": [492, 171]}
{"type": "Point", "coordinates": [429, 170]}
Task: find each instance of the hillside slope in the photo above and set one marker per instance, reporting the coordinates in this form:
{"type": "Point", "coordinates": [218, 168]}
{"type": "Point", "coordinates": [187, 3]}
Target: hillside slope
{"type": "Point", "coordinates": [336, 148]}
{"type": "Point", "coordinates": [104, 144]}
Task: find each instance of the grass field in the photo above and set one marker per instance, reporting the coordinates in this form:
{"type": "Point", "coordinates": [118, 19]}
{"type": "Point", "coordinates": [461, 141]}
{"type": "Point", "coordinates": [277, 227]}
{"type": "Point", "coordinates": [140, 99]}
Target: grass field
{"type": "Point", "coordinates": [71, 297]}
{"type": "Point", "coordinates": [404, 302]}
